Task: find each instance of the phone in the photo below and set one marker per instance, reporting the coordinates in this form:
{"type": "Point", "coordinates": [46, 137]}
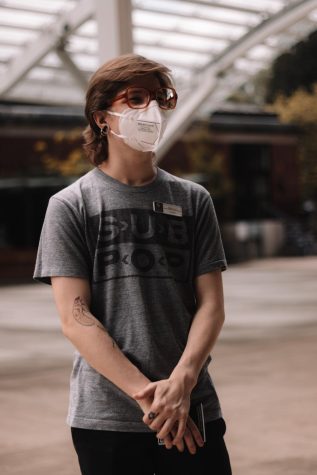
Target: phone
{"type": "Point", "coordinates": [197, 414]}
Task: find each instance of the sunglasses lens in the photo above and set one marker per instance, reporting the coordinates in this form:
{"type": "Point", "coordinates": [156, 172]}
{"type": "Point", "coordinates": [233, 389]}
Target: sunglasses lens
{"type": "Point", "coordinates": [166, 98]}
{"type": "Point", "coordinates": [138, 97]}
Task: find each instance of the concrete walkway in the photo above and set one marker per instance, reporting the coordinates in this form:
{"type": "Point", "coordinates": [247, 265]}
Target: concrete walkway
{"type": "Point", "coordinates": [263, 368]}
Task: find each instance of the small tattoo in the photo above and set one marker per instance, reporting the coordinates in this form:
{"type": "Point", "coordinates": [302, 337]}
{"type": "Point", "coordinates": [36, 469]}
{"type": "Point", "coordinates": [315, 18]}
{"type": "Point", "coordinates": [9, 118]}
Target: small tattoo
{"type": "Point", "coordinates": [81, 312]}
{"type": "Point", "coordinates": [83, 316]}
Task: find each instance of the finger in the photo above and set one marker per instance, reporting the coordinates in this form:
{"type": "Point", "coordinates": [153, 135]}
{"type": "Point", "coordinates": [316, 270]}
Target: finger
{"type": "Point", "coordinates": [189, 441]}
{"type": "Point", "coordinates": [166, 427]}
{"type": "Point", "coordinates": [168, 441]}
{"type": "Point", "coordinates": [156, 422]}
{"type": "Point", "coordinates": [179, 445]}
{"type": "Point", "coordinates": [195, 431]}
{"type": "Point", "coordinates": [180, 430]}
{"type": "Point", "coordinates": [161, 414]}
{"type": "Point", "coordinates": [145, 392]}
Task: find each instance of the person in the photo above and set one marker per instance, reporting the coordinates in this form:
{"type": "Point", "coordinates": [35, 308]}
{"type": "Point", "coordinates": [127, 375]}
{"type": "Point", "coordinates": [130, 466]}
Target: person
{"type": "Point", "coordinates": [134, 256]}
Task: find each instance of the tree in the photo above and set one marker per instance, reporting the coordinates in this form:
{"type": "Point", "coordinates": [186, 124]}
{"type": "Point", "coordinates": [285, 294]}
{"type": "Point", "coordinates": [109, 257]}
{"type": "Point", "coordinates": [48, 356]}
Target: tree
{"type": "Point", "coordinates": [294, 69]}
{"type": "Point", "coordinates": [301, 108]}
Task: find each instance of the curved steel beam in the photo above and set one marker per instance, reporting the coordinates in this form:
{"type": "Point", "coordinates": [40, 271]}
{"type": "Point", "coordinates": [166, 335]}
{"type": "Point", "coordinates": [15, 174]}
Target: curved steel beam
{"type": "Point", "coordinates": [209, 77]}
{"type": "Point", "coordinates": [48, 41]}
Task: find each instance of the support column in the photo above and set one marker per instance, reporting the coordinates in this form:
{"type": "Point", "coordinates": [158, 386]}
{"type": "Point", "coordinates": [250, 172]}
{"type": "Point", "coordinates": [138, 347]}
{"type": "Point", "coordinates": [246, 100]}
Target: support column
{"type": "Point", "coordinates": [114, 25]}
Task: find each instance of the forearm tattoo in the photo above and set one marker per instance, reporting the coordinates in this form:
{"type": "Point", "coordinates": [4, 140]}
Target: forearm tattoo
{"type": "Point", "coordinates": [83, 316]}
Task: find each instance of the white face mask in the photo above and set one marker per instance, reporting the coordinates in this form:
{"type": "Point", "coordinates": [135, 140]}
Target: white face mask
{"type": "Point", "coordinates": [141, 129]}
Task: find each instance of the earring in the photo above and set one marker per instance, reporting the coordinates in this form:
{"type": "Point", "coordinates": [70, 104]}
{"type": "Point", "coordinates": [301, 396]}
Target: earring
{"type": "Point", "coordinates": [104, 131]}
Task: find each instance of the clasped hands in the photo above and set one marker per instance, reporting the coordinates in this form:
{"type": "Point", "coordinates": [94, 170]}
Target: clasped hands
{"type": "Point", "coordinates": [169, 400]}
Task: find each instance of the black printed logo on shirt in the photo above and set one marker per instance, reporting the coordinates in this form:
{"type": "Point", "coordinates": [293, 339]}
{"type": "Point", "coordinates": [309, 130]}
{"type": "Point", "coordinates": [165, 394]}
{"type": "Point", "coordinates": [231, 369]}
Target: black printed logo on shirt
{"type": "Point", "coordinates": [140, 242]}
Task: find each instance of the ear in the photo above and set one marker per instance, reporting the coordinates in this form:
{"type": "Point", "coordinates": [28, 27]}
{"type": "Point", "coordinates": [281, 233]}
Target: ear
{"type": "Point", "coordinates": [99, 118]}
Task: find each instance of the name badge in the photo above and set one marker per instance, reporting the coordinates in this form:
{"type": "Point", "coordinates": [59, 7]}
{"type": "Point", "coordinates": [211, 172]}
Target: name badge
{"type": "Point", "coordinates": [167, 208]}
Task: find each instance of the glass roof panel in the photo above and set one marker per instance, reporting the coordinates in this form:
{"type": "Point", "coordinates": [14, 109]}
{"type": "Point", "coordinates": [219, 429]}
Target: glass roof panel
{"type": "Point", "coordinates": [172, 40]}
{"type": "Point", "coordinates": [16, 36]}
{"type": "Point", "coordinates": [313, 15]}
{"type": "Point", "coordinates": [9, 17]}
{"type": "Point", "coordinates": [271, 6]}
{"type": "Point", "coordinates": [166, 6]}
{"type": "Point", "coordinates": [8, 52]}
{"type": "Point", "coordinates": [272, 41]}
{"type": "Point", "coordinates": [260, 52]}
{"type": "Point", "coordinates": [174, 57]}
{"type": "Point", "coordinates": [47, 6]}
{"type": "Point", "coordinates": [186, 35]}
{"type": "Point", "coordinates": [230, 15]}
{"type": "Point", "coordinates": [43, 74]}
{"type": "Point", "coordinates": [77, 44]}
{"type": "Point", "coordinates": [193, 9]}
{"type": "Point", "coordinates": [186, 24]}
{"type": "Point", "coordinates": [46, 76]}
{"type": "Point", "coordinates": [244, 64]}
{"type": "Point", "coordinates": [88, 29]}
{"type": "Point", "coordinates": [86, 62]}
{"type": "Point", "coordinates": [51, 60]}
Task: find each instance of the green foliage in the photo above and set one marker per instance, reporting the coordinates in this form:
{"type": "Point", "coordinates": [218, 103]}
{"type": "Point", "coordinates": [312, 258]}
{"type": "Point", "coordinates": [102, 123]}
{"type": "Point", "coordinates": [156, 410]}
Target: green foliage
{"type": "Point", "coordinates": [65, 156]}
{"type": "Point", "coordinates": [205, 159]}
{"type": "Point", "coordinates": [301, 108]}
{"type": "Point", "coordinates": [294, 69]}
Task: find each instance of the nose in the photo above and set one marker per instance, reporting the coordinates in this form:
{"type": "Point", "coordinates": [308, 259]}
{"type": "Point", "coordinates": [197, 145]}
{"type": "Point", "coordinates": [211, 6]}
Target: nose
{"type": "Point", "coordinates": [152, 103]}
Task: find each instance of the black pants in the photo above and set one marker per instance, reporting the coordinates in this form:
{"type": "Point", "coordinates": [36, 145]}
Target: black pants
{"type": "Point", "coordinates": [103, 452]}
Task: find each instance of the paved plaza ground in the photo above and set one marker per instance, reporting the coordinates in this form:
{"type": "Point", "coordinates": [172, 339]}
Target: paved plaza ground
{"type": "Point", "coordinates": [264, 369]}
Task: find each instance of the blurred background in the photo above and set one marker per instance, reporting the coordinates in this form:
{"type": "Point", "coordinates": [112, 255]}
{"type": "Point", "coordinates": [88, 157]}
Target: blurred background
{"type": "Point", "coordinates": [245, 128]}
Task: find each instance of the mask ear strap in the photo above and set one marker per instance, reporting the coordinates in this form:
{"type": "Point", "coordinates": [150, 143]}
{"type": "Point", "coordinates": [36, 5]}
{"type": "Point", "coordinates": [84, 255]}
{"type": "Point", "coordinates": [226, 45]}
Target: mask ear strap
{"type": "Point", "coordinates": [115, 113]}
{"type": "Point", "coordinates": [119, 115]}
{"type": "Point", "coordinates": [118, 135]}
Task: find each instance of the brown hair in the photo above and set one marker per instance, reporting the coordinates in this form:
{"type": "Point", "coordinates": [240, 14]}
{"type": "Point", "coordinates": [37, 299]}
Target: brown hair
{"type": "Point", "coordinates": [104, 85]}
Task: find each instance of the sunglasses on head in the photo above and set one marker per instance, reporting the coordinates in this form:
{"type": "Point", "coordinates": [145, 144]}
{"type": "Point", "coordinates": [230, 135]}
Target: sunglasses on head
{"type": "Point", "coordinates": [140, 97]}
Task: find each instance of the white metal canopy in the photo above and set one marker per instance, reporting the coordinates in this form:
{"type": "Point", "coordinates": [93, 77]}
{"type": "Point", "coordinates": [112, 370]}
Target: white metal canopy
{"type": "Point", "coordinates": [50, 48]}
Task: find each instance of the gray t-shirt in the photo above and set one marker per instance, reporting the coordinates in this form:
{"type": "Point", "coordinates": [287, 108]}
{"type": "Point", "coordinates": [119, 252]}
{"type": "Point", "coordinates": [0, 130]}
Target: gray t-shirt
{"type": "Point", "coordinates": [141, 265]}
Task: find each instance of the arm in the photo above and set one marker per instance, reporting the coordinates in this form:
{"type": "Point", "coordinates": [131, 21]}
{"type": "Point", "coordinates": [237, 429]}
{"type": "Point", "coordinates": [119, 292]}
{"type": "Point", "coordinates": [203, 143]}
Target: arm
{"type": "Point", "coordinates": [92, 340]}
{"type": "Point", "coordinates": [90, 337]}
{"type": "Point", "coordinates": [205, 328]}
{"type": "Point", "coordinates": [172, 396]}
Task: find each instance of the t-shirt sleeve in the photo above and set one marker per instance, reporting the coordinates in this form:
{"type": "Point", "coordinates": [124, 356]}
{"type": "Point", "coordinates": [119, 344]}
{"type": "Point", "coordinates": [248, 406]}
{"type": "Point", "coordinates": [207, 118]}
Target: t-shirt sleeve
{"type": "Point", "coordinates": [209, 251]}
{"type": "Point", "coordinates": [62, 249]}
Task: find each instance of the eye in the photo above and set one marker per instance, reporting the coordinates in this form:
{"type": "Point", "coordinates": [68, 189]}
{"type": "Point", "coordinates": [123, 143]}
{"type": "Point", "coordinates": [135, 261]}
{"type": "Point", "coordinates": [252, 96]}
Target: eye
{"type": "Point", "coordinates": [136, 99]}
